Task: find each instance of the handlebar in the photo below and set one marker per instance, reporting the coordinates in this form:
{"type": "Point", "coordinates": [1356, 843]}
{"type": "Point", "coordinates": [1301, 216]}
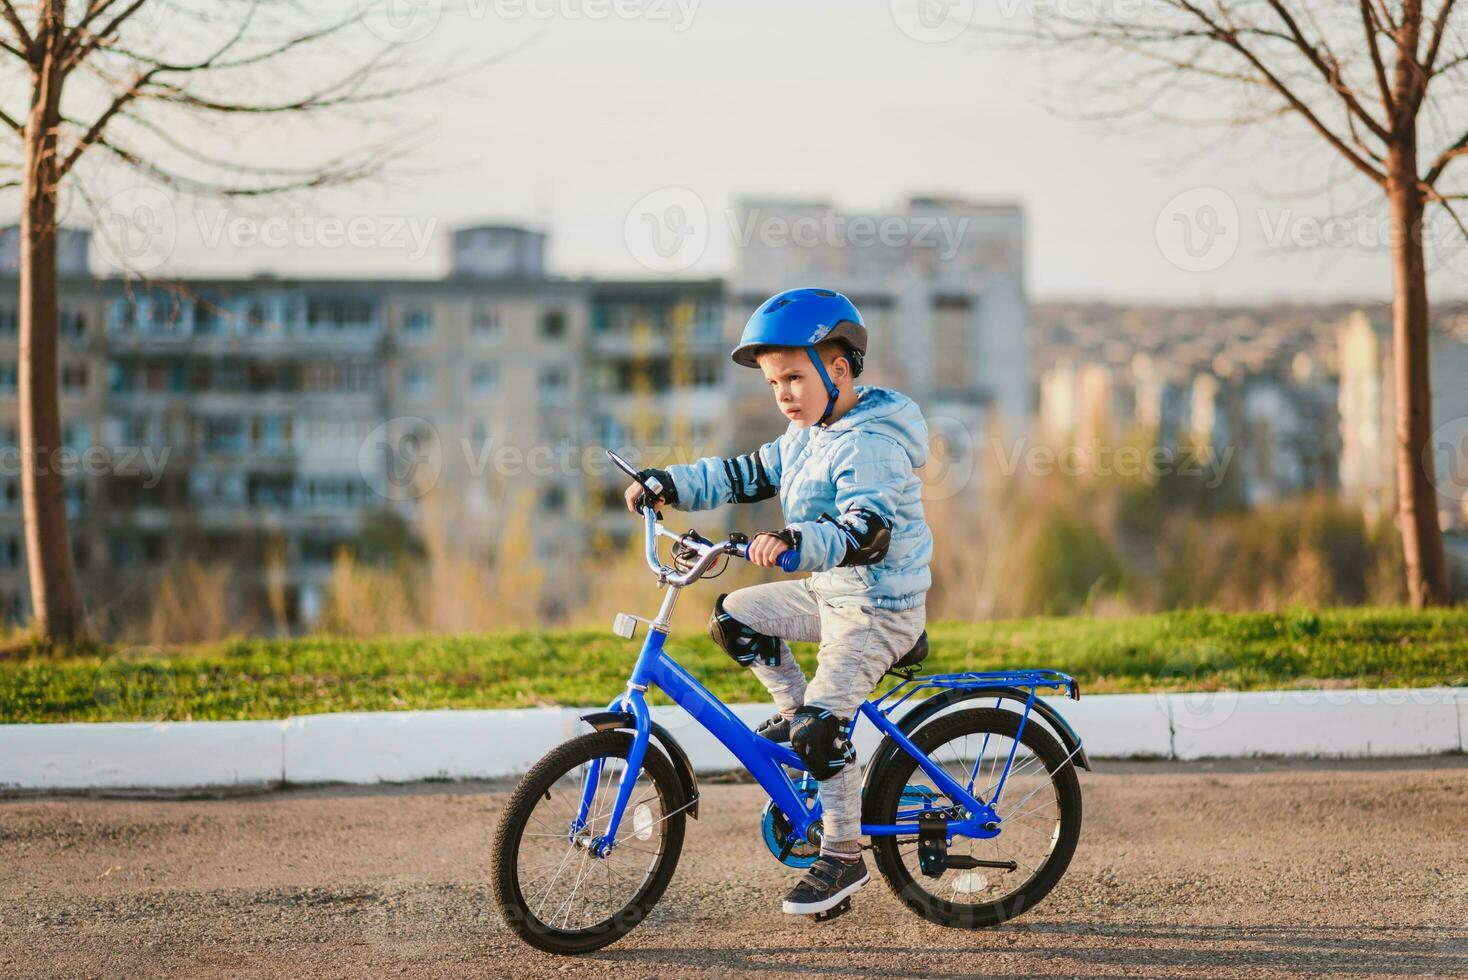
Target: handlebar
{"type": "Point", "coordinates": [707, 553]}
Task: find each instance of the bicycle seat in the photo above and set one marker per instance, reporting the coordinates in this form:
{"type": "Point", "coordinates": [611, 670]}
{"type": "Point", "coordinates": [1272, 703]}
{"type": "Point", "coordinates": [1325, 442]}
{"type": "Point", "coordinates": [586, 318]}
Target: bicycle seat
{"type": "Point", "coordinates": [915, 656]}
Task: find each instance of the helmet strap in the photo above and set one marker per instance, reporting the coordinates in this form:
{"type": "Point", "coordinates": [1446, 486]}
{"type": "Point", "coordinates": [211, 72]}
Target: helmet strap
{"type": "Point", "coordinates": [832, 392]}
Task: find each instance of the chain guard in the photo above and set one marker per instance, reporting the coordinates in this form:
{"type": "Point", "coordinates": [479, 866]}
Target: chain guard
{"type": "Point", "coordinates": [776, 829]}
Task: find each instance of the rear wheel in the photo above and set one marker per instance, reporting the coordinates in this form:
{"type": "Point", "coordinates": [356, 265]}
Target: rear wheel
{"type": "Point", "coordinates": [553, 891]}
{"type": "Point", "coordinates": [1039, 812]}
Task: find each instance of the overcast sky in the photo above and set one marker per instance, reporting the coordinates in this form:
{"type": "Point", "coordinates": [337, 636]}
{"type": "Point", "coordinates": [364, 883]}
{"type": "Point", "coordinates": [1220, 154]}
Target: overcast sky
{"type": "Point", "coordinates": [722, 99]}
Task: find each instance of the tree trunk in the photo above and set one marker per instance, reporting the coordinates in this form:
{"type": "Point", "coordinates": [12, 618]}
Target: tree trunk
{"type": "Point", "coordinates": [55, 601]}
{"type": "Point", "coordinates": [1422, 543]}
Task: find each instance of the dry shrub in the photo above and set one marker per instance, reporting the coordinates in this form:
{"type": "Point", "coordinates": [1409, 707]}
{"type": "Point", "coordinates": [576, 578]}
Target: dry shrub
{"type": "Point", "coordinates": [192, 603]}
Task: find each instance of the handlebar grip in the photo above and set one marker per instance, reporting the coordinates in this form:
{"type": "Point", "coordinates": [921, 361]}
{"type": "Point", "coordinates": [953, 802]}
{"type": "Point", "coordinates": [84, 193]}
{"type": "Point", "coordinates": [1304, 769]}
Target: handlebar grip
{"type": "Point", "coordinates": [787, 560]}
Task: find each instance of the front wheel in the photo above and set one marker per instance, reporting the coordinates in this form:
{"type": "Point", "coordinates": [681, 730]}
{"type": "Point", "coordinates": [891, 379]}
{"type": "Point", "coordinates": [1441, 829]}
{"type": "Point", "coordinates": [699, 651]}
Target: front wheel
{"type": "Point", "coordinates": [553, 891]}
{"type": "Point", "coordinates": [1039, 810]}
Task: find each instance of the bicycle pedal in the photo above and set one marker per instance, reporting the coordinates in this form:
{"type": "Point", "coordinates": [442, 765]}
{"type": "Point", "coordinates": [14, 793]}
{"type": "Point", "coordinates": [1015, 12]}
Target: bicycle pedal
{"type": "Point", "coordinates": [835, 911]}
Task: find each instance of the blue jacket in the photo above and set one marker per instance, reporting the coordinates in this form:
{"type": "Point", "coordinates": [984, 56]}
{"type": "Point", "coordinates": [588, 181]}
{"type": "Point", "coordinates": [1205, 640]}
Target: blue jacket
{"type": "Point", "coordinates": [864, 460]}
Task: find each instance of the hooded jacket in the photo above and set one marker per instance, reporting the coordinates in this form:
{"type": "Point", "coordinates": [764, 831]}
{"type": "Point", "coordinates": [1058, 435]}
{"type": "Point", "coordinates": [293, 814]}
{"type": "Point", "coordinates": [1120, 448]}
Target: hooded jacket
{"type": "Point", "coordinates": [832, 481]}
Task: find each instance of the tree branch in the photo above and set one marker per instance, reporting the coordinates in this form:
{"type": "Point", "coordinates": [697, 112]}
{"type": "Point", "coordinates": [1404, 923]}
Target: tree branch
{"type": "Point", "coordinates": [1372, 28]}
{"type": "Point", "coordinates": [1439, 28]}
{"type": "Point", "coordinates": [1330, 70]}
{"type": "Point", "coordinates": [132, 92]}
{"type": "Point", "coordinates": [12, 17]}
{"type": "Point", "coordinates": [1229, 37]}
{"type": "Point", "coordinates": [1458, 149]}
{"type": "Point", "coordinates": [81, 44]}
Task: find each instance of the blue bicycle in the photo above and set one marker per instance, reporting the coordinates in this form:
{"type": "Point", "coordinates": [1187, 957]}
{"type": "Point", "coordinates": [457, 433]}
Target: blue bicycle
{"type": "Point", "coordinates": [973, 814]}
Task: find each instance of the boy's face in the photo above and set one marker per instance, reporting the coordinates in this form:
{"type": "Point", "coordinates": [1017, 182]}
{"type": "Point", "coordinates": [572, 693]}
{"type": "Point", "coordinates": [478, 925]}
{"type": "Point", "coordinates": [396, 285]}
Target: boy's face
{"type": "Point", "coordinates": [797, 388]}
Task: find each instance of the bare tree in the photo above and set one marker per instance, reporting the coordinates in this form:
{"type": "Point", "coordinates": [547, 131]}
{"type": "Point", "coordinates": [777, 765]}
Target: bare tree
{"type": "Point", "coordinates": [1374, 80]}
{"type": "Point", "coordinates": [178, 93]}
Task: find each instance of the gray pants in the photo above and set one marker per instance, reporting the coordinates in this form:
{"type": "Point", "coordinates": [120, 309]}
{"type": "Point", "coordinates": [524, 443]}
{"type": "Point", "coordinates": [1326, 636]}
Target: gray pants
{"type": "Point", "coordinates": [858, 644]}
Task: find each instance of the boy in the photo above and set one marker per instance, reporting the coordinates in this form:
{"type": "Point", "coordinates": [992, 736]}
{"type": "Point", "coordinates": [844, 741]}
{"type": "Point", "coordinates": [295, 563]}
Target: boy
{"type": "Point", "coordinates": [843, 471]}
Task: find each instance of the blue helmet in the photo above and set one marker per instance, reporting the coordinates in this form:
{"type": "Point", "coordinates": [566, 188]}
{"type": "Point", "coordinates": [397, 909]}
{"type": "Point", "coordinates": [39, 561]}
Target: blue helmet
{"type": "Point", "coordinates": [805, 317]}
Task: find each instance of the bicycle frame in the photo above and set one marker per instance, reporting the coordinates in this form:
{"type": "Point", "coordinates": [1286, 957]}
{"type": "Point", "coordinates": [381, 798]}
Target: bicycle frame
{"type": "Point", "coordinates": [767, 760]}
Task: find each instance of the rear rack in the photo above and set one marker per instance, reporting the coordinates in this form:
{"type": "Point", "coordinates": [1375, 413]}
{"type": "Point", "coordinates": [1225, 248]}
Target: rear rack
{"type": "Point", "coordinates": [1033, 680]}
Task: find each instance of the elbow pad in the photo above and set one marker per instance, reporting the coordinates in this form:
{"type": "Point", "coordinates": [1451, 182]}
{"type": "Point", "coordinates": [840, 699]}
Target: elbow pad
{"type": "Point", "coordinates": [868, 535]}
{"type": "Point", "coordinates": [749, 481]}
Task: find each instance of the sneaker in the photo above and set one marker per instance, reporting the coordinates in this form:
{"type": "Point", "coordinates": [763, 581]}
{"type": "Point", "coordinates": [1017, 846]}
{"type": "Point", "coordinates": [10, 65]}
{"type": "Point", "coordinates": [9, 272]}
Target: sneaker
{"type": "Point", "coordinates": [776, 729]}
{"type": "Point", "coordinates": [828, 882]}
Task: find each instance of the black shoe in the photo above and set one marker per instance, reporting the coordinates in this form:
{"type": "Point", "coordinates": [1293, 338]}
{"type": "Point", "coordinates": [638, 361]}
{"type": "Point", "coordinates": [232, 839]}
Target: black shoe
{"type": "Point", "coordinates": [829, 882]}
{"type": "Point", "coordinates": [776, 729]}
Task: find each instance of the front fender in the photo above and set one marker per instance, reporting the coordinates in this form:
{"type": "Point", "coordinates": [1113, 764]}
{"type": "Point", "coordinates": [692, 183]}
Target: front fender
{"type": "Point", "coordinates": [611, 720]}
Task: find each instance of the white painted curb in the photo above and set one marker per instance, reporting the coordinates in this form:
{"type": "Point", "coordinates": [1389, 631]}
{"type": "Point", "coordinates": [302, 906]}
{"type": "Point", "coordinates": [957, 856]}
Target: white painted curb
{"type": "Point", "coordinates": [405, 746]}
{"type": "Point", "coordinates": [156, 755]}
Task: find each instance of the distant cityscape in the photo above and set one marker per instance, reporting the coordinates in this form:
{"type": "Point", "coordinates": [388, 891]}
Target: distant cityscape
{"type": "Point", "coordinates": [270, 422]}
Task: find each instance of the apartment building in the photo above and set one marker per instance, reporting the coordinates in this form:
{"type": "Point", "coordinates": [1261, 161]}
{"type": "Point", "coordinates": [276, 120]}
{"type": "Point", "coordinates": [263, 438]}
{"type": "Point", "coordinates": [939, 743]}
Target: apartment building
{"type": "Point", "coordinates": [940, 284]}
{"type": "Point", "coordinates": [268, 422]}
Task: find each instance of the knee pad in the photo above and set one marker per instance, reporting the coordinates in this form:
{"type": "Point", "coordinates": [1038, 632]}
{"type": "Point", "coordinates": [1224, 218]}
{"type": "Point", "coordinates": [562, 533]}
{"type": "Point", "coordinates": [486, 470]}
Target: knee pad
{"type": "Point", "coordinates": [822, 741]}
{"type": "Point", "coordinates": [744, 643]}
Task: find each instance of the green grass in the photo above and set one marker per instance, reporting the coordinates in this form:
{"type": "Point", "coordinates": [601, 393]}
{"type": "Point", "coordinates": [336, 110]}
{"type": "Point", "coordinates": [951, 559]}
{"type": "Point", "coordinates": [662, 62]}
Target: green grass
{"type": "Point", "coordinates": [275, 679]}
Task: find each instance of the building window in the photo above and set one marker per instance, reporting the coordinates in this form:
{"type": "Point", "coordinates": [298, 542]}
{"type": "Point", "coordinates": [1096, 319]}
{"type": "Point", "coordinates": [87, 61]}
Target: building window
{"type": "Point", "coordinates": [9, 322]}
{"type": "Point", "coordinates": [77, 436]}
{"type": "Point", "coordinates": [553, 324]}
{"type": "Point", "coordinates": [9, 378]}
{"type": "Point", "coordinates": [483, 380]}
{"type": "Point", "coordinates": [553, 500]}
{"type": "Point", "coordinates": [340, 313]}
{"type": "Point", "coordinates": [74, 378]}
{"type": "Point", "coordinates": [417, 380]}
{"type": "Point", "coordinates": [209, 317]}
{"type": "Point", "coordinates": [10, 552]}
{"type": "Point", "coordinates": [704, 373]}
{"type": "Point", "coordinates": [73, 324]}
{"type": "Point", "coordinates": [417, 323]}
{"type": "Point", "coordinates": [485, 323]}
{"type": "Point", "coordinates": [554, 384]}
